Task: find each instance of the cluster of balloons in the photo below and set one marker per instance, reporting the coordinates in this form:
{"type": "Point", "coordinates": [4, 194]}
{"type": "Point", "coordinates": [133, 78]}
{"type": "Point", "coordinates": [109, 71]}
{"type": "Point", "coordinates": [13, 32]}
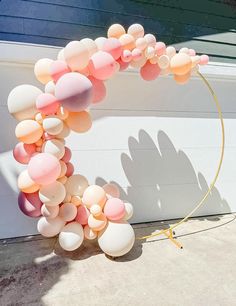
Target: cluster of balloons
{"type": "Point", "coordinates": [66, 204]}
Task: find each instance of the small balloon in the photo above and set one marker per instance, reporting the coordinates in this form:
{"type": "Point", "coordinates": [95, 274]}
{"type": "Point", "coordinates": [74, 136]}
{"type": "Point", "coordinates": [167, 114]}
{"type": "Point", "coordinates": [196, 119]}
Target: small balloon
{"type": "Point", "coordinates": [23, 152]}
{"type": "Point", "coordinates": [112, 190]}
{"type": "Point", "coordinates": [180, 64]}
{"type": "Point", "coordinates": [52, 125]}
{"type": "Point", "coordinates": [47, 103]}
{"type": "Point", "coordinates": [30, 204]}
{"type": "Point", "coordinates": [89, 233]}
{"type": "Point", "coordinates": [67, 156]}
{"type": "Point", "coordinates": [50, 212]}
{"type": "Point", "coordinates": [42, 70]}
{"type": "Point", "coordinates": [54, 147]}
{"type": "Point", "coordinates": [82, 215]}
{"type": "Point", "coordinates": [76, 55]}
{"type": "Point", "coordinates": [97, 223]}
{"type": "Point", "coordinates": [114, 209]}
{"type": "Point", "coordinates": [127, 42]}
{"type": "Point", "coordinates": [79, 122]}
{"type": "Point", "coordinates": [113, 46]}
{"type": "Point", "coordinates": [71, 236]}
{"type": "Point", "coordinates": [68, 212]}
{"type": "Point", "coordinates": [136, 30]}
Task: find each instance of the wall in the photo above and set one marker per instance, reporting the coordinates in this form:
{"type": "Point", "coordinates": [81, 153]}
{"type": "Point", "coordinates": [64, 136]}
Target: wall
{"type": "Point", "coordinates": [159, 141]}
{"type": "Point", "coordinates": [206, 25]}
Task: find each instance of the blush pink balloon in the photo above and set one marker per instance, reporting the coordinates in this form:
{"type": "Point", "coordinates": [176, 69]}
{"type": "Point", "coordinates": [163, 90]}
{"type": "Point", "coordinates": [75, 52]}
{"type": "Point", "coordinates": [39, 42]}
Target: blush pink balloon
{"type": "Point", "coordinates": [102, 65]}
{"type": "Point", "coordinates": [82, 215]}
{"type": "Point", "coordinates": [191, 52]}
{"type": "Point", "coordinates": [74, 91]}
{"type": "Point", "coordinates": [160, 48]}
{"type": "Point", "coordinates": [113, 46]}
{"type": "Point", "coordinates": [23, 152]}
{"type": "Point", "coordinates": [58, 69]}
{"type": "Point", "coordinates": [70, 169]}
{"type": "Point", "coordinates": [67, 156]}
{"type": "Point", "coordinates": [114, 209]}
{"type": "Point", "coordinates": [123, 65]}
{"type": "Point", "coordinates": [204, 59]}
{"type": "Point", "coordinates": [150, 72]}
{"type": "Point", "coordinates": [30, 204]}
{"type": "Point", "coordinates": [99, 89]}
{"type": "Point", "coordinates": [44, 168]}
{"type": "Point", "coordinates": [47, 103]}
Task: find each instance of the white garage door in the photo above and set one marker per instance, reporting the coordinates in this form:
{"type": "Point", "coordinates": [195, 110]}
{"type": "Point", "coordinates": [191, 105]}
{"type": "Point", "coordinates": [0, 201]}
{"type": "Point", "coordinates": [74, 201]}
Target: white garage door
{"type": "Point", "coordinates": [160, 142]}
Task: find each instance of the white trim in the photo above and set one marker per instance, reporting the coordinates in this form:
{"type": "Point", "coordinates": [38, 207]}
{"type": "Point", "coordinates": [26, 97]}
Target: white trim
{"type": "Point", "coordinates": [15, 53]}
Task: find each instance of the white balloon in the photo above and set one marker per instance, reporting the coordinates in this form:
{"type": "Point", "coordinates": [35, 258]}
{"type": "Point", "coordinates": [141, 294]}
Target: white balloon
{"type": "Point", "coordinates": [54, 147]}
{"type": "Point", "coordinates": [129, 210]}
{"type": "Point", "coordinates": [71, 236]}
{"type": "Point", "coordinates": [50, 87]}
{"type": "Point", "coordinates": [50, 227]}
{"type": "Point", "coordinates": [117, 238]}
{"type": "Point", "coordinates": [52, 125]}
{"type": "Point", "coordinates": [50, 212]}
{"type": "Point", "coordinates": [52, 194]}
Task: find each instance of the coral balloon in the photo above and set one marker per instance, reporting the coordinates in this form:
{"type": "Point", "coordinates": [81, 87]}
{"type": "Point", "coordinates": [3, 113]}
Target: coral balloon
{"type": "Point", "coordinates": [94, 194]}
{"type": "Point", "coordinates": [71, 236]}
{"type": "Point", "coordinates": [26, 184]}
{"type": "Point", "coordinates": [123, 65]}
{"type": "Point", "coordinates": [67, 156]}
{"type": "Point", "coordinates": [79, 122]}
{"type": "Point", "coordinates": [99, 89]}
{"type": "Point", "coordinates": [102, 65]}
{"type": "Point", "coordinates": [50, 212]}
{"type": "Point", "coordinates": [180, 64]}
{"type": "Point", "coordinates": [28, 131]}
{"type": "Point", "coordinates": [114, 209]}
{"type": "Point", "coordinates": [30, 204]}
{"type": "Point", "coordinates": [54, 147]}
{"type": "Point", "coordinates": [117, 238]}
{"type": "Point", "coordinates": [113, 46]}
{"type": "Point", "coordinates": [204, 59]}
{"type": "Point", "coordinates": [42, 70]}
{"type": "Point", "coordinates": [150, 72]}
{"type": "Point", "coordinates": [21, 102]}
{"type": "Point", "coordinates": [76, 185]}
{"type": "Point", "coordinates": [115, 30]}
{"type": "Point", "coordinates": [50, 227]}
{"type": "Point", "coordinates": [47, 103]}
{"type": "Point", "coordinates": [52, 125]}
{"type": "Point", "coordinates": [44, 168]}
{"type": "Point", "coordinates": [76, 55]}
{"type": "Point", "coordinates": [68, 212]}
{"type": "Point", "coordinates": [52, 194]}
{"type": "Point", "coordinates": [82, 215]}
{"type": "Point", "coordinates": [58, 69]}
{"type": "Point", "coordinates": [23, 152]}
{"type": "Point", "coordinates": [74, 91]}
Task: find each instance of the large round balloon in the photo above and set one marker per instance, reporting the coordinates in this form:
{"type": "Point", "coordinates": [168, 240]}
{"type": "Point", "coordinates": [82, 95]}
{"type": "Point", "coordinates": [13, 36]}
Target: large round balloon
{"type": "Point", "coordinates": [71, 236]}
{"type": "Point", "coordinates": [74, 91]}
{"type": "Point", "coordinates": [94, 194]}
{"type": "Point", "coordinates": [76, 185]}
{"type": "Point", "coordinates": [117, 238]}
{"type": "Point", "coordinates": [76, 55]}
{"type": "Point", "coordinates": [52, 194]}
{"type": "Point", "coordinates": [50, 227]}
{"type": "Point", "coordinates": [102, 65]}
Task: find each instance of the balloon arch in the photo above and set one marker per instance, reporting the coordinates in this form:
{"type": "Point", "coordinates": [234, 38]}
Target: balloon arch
{"type": "Point", "coordinates": [65, 202]}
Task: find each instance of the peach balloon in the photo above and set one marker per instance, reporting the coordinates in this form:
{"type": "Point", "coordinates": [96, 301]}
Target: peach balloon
{"type": "Point", "coordinates": [150, 40]}
{"type": "Point", "coordinates": [39, 117]}
{"type": "Point", "coordinates": [136, 54]}
{"type": "Point", "coordinates": [100, 42]}
{"type": "Point", "coordinates": [127, 42]}
{"type": "Point", "coordinates": [94, 194]}
{"type": "Point", "coordinates": [95, 210]}
{"type": "Point", "coordinates": [70, 169]}
{"type": "Point", "coordinates": [68, 197]}
{"type": "Point", "coordinates": [26, 184]}
{"type": "Point", "coordinates": [126, 56]}
{"type": "Point", "coordinates": [23, 152]}
{"type": "Point", "coordinates": [58, 69]}
{"type": "Point", "coordinates": [30, 204]}
{"type": "Point", "coordinates": [149, 52]}
{"type": "Point", "coordinates": [68, 212]}
{"type": "Point", "coordinates": [150, 72]}
{"type": "Point", "coordinates": [89, 233]}
{"type": "Point", "coordinates": [114, 209]}
{"type": "Point", "coordinates": [136, 30]}
{"type": "Point", "coordinates": [65, 131]}
{"type": "Point", "coordinates": [82, 215]}
{"type": "Point", "coordinates": [28, 131]}
{"type": "Point", "coordinates": [21, 101]}
{"type": "Point", "coordinates": [160, 48]}
{"type": "Point", "coordinates": [62, 179]}
{"type": "Point", "coordinates": [170, 51]}
{"type": "Point", "coordinates": [183, 78]}
{"type": "Point", "coordinates": [99, 89]}
{"type": "Point", "coordinates": [140, 63]}
{"type": "Point", "coordinates": [76, 200]}
{"type": "Point", "coordinates": [76, 55]}
{"type": "Point", "coordinates": [76, 185]}
{"type": "Point", "coordinates": [141, 43]}
{"type": "Point", "coordinates": [50, 212]}
{"type": "Point", "coordinates": [54, 147]}
{"type": "Point", "coordinates": [52, 125]}
{"type": "Point", "coordinates": [67, 156]}
{"type": "Point", "coordinates": [180, 64]}
{"type": "Point", "coordinates": [50, 227]}
{"type": "Point", "coordinates": [74, 91]}
{"type": "Point", "coordinates": [113, 46]}
{"type": "Point", "coordinates": [79, 122]}
{"type": "Point", "coordinates": [97, 223]}
{"type": "Point", "coordinates": [44, 168]}
{"type": "Point", "coordinates": [71, 236]}
{"type": "Point", "coordinates": [63, 168]}
{"type": "Point", "coordinates": [42, 70]}
{"type": "Point", "coordinates": [112, 190]}
{"type": "Point", "coordinates": [163, 61]}
{"type": "Point", "coordinates": [90, 45]}
{"type": "Point", "coordinates": [52, 194]}
{"type": "Point", "coordinates": [115, 30]}
{"type": "Point", "coordinates": [102, 65]}
{"type": "Point", "coordinates": [154, 59]}
{"type": "Point", "coordinates": [195, 60]}
{"type": "Point", "coordinates": [62, 113]}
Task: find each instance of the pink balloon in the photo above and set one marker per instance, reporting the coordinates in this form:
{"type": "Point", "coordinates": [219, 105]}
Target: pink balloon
{"type": "Point", "coordinates": [74, 91]}
{"type": "Point", "coordinates": [44, 168]}
{"type": "Point", "coordinates": [82, 215]}
{"type": "Point", "coordinates": [23, 152]}
{"type": "Point", "coordinates": [150, 72]}
{"type": "Point", "coordinates": [102, 65]}
{"type": "Point", "coordinates": [160, 48]}
{"type": "Point", "coordinates": [126, 56]}
{"type": "Point", "coordinates": [113, 46]}
{"type": "Point", "coordinates": [47, 103]}
{"type": "Point", "coordinates": [114, 209]}
{"type": "Point", "coordinates": [191, 52]}
{"type": "Point", "coordinates": [58, 69]}
{"type": "Point", "coordinates": [204, 59]}
{"type": "Point", "coordinates": [70, 169]}
{"type": "Point", "coordinates": [99, 90]}
{"type": "Point", "coordinates": [123, 65]}
{"type": "Point", "coordinates": [67, 156]}
{"type": "Point", "coordinates": [30, 204]}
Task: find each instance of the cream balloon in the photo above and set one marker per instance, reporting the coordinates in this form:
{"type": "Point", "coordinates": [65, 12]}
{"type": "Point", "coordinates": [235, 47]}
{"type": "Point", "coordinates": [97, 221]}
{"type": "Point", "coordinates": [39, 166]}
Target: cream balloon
{"type": "Point", "coordinates": [90, 45]}
{"type": "Point", "coordinates": [28, 131]}
{"type": "Point", "coordinates": [68, 212]}
{"type": "Point", "coordinates": [117, 238]}
{"type": "Point", "coordinates": [61, 55]}
{"type": "Point", "coordinates": [52, 125]}
{"type": "Point", "coordinates": [63, 168]}
{"type": "Point", "coordinates": [50, 212]}
{"type": "Point", "coordinates": [89, 233]}
{"type": "Point", "coordinates": [54, 147]}
{"type": "Point", "coordinates": [65, 132]}
{"type": "Point", "coordinates": [50, 227]}
{"type": "Point", "coordinates": [21, 101]}
{"type": "Point", "coordinates": [26, 184]}
{"type": "Point", "coordinates": [76, 55]}
{"type": "Point", "coordinates": [71, 236]}
{"type": "Point", "coordinates": [76, 185]}
{"type": "Point", "coordinates": [136, 30]}
{"type": "Point", "coordinates": [100, 41]}
{"type": "Point", "coordinates": [163, 61]}
{"type": "Point", "coordinates": [52, 194]}
{"type": "Point", "coordinates": [97, 223]}
{"type": "Point", "coordinates": [129, 210]}
{"type": "Point", "coordinates": [42, 70]}
{"type": "Point", "coordinates": [50, 87]}
{"type": "Point", "coordinates": [94, 194]}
